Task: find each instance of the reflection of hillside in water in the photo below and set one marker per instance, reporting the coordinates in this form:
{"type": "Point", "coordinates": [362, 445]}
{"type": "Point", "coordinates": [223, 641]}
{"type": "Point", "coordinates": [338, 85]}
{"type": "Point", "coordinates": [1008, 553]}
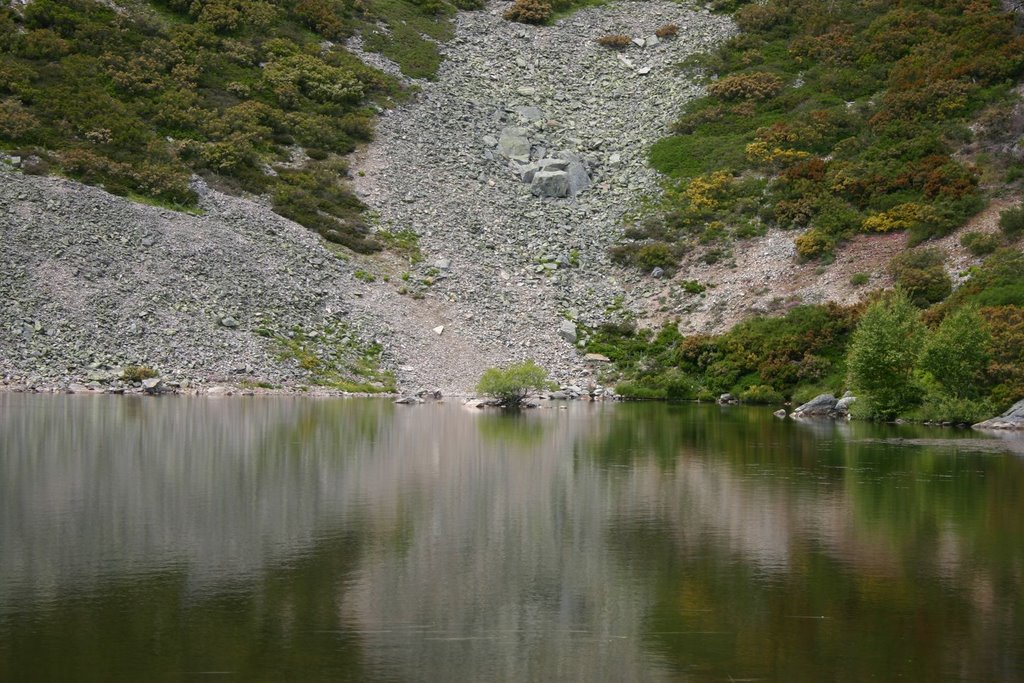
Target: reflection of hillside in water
{"type": "Point", "coordinates": [489, 546]}
{"type": "Point", "coordinates": [92, 486]}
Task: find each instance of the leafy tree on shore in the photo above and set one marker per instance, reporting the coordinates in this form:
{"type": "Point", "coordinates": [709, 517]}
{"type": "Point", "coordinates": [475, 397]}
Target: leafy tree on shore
{"type": "Point", "coordinates": [883, 354]}
{"type": "Point", "coordinates": [513, 384]}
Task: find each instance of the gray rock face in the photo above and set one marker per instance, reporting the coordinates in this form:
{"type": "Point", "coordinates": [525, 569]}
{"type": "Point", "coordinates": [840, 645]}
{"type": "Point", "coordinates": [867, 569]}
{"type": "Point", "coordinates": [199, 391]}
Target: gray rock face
{"type": "Point", "coordinates": [1011, 419]}
{"type": "Point", "coordinates": [727, 399]}
{"type": "Point", "coordinates": [550, 184]}
{"type": "Point", "coordinates": [567, 331]}
{"type": "Point", "coordinates": [820, 405]}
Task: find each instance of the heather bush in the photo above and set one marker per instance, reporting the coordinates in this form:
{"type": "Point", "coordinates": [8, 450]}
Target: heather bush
{"type": "Point", "coordinates": [529, 11]}
{"type": "Point", "coordinates": [756, 85]}
{"type": "Point", "coordinates": [921, 274]}
{"type": "Point", "coordinates": [667, 31]}
{"type": "Point", "coordinates": [615, 41]}
{"type": "Point", "coordinates": [1011, 222]}
{"type": "Point", "coordinates": [979, 243]}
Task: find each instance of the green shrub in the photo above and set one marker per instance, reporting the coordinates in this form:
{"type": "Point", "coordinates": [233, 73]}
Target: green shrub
{"type": "Point", "coordinates": [1011, 222]}
{"type": "Point", "coordinates": [761, 393]}
{"type": "Point", "coordinates": [137, 373]}
{"type": "Point", "coordinates": [979, 243]}
{"type": "Point", "coordinates": [859, 279]}
{"type": "Point", "coordinates": [921, 274]}
{"type": "Point", "coordinates": [513, 384]}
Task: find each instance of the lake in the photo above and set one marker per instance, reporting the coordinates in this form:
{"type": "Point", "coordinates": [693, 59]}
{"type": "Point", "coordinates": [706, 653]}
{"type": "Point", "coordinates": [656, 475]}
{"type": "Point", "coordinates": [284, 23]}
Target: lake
{"type": "Point", "coordinates": [352, 539]}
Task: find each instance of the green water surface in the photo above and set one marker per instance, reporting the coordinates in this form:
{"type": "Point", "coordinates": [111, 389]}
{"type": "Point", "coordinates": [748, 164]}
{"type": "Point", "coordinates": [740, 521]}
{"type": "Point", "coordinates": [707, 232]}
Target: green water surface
{"type": "Point", "coordinates": [272, 539]}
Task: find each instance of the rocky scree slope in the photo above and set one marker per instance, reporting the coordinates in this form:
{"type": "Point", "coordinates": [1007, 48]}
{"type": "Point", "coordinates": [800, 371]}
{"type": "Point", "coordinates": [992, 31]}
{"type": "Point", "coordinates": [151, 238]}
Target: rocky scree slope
{"type": "Point", "coordinates": [512, 273]}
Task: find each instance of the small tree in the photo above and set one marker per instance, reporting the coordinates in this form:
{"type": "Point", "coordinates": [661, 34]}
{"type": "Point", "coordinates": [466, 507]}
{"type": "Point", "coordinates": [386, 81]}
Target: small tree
{"type": "Point", "coordinates": [513, 384]}
{"type": "Point", "coordinates": [956, 354]}
{"type": "Point", "coordinates": [883, 352]}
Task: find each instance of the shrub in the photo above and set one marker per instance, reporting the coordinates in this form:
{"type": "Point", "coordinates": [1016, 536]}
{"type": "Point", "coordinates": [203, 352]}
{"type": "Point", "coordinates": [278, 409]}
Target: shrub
{"type": "Point", "coordinates": [513, 384]}
{"type": "Point", "coordinates": [615, 41]}
{"type": "Point", "coordinates": [883, 353]}
{"type": "Point", "coordinates": [755, 85]}
{"type": "Point", "coordinates": [667, 31]}
{"type": "Point", "coordinates": [859, 279]}
{"type": "Point", "coordinates": [1011, 222]}
{"type": "Point", "coordinates": [137, 373]}
{"type": "Point", "coordinates": [979, 243]}
{"type": "Point", "coordinates": [814, 243]}
{"type": "Point", "coordinates": [921, 274]}
{"type": "Point", "coordinates": [761, 393]}
{"type": "Point", "coordinates": [529, 11]}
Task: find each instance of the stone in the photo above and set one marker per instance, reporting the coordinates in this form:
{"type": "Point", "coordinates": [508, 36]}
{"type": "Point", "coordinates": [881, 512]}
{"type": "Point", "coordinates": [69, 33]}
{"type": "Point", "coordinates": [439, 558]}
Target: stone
{"type": "Point", "coordinates": [526, 172]}
{"type": "Point", "coordinates": [567, 331]}
{"type": "Point", "coordinates": [513, 144]}
{"type": "Point", "coordinates": [597, 358]}
{"type": "Point", "coordinates": [409, 400]}
{"type": "Point", "coordinates": [228, 321]}
{"type": "Point", "coordinates": [651, 41]}
{"type": "Point", "coordinates": [842, 407]}
{"type": "Point", "coordinates": [727, 399]}
{"type": "Point", "coordinates": [657, 272]}
{"type": "Point", "coordinates": [639, 42]}
{"type": "Point", "coordinates": [820, 405]}
{"type": "Point", "coordinates": [490, 141]}
{"type": "Point", "coordinates": [552, 164]}
{"type": "Point", "coordinates": [550, 184]}
{"type": "Point", "coordinates": [579, 179]}
{"type": "Point", "coordinates": [443, 264]}
{"type": "Point", "coordinates": [526, 91]}
{"type": "Point", "coordinates": [439, 329]}
{"type": "Point", "coordinates": [558, 396]}
{"type": "Point", "coordinates": [153, 385]}
{"type": "Point", "coordinates": [1011, 419]}
{"type": "Point", "coordinates": [780, 413]}
{"type": "Point", "coordinates": [530, 113]}
{"type": "Point", "coordinates": [644, 70]}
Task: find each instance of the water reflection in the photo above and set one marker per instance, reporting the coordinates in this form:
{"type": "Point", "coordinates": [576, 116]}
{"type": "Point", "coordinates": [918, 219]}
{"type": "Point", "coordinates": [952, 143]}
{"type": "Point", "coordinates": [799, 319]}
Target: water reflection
{"type": "Point", "coordinates": [350, 539]}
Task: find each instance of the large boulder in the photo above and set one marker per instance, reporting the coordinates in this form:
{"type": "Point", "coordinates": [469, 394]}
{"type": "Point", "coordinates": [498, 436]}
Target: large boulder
{"type": "Point", "coordinates": [1011, 419]}
{"type": "Point", "coordinates": [550, 184]}
{"type": "Point", "coordinates": [513, 144]}
{"type": "Point", "coordinates": [820, 405]}
{"type": "Point", "coordinates": [579, 179]}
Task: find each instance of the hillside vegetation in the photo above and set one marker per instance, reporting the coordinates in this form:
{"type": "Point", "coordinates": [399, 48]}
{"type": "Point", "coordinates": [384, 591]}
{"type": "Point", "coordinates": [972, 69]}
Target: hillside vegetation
{"type": "Point", "coordinates": [837, 118]}
{"type": "Point", "coordinates": [253, 95]}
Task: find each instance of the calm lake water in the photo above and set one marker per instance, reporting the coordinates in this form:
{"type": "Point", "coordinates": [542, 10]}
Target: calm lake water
{"type": "Point", "coordinates": [300, 539]}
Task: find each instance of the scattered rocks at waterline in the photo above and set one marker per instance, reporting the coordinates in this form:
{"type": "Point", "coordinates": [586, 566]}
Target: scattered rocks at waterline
{"type": "Point", "coordinates": [1012, 419]}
